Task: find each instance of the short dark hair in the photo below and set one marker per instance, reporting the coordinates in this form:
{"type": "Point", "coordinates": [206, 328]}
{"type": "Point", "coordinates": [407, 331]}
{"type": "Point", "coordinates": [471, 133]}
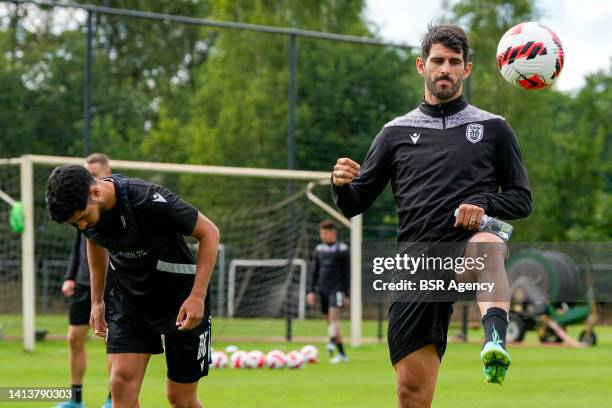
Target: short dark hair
{"type": "Point", "coordinates": [68, 191]}
{"type": "Point", "coordinates": [327, 225]}
{"type": "Point", "coordinates": [449, 35]}
{"type": "Point", "coordinates": [97, 158]}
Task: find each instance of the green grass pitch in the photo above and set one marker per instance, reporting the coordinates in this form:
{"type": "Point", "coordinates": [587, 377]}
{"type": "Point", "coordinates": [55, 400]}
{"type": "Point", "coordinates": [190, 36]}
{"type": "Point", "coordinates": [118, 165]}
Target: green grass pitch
{"type": "Point", "coordinates": [539, 377]}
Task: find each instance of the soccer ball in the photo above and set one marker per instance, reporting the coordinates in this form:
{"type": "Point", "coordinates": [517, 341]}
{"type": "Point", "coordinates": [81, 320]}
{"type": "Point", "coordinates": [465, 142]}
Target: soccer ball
{"type": "Point", "coordinates": [530, 56]}
{"type": "Point", "coordinates": [231, 349]}
{"type": "Point", "coordinates": [255, 359]}
{"type": "Point", "coordinates": [276, 359]}
{"type": "Point", "coordinates": [295, 359]}
{"type": "Point", "coordinates": [238, 359]}
{"type": "Point", "coordinates": [310, 353]}
{"type": "Point", "coordinates": [219, 359]}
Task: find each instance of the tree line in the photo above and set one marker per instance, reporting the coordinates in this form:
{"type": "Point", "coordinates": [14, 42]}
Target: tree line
{"type": "Point", "coordinates": [190, 94]}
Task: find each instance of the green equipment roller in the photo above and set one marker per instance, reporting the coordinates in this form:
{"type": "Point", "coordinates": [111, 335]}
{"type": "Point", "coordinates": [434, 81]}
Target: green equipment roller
{"type": "Point", "coordinates": [16, 216]}
{"type": "Point", "coordinates": [549, 292]}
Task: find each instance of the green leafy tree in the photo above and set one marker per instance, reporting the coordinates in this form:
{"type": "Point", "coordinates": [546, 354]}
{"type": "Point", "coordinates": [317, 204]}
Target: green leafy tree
{"type": "Point", "coordinates": [591, 218]}
{"type": "Point", "coordinates": [137, 63]}
{"type": "Point", "coordinates": [239, 113]}
{"type": "Point", "coordinates": [562, 138]}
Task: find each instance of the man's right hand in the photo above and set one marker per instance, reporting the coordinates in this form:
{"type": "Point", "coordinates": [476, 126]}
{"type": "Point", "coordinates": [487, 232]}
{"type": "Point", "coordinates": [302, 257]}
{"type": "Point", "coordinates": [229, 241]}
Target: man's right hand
{"type": "Point", "coordinates": [96, 319]}
{"type": "Point", "coordinates": [68, 287]}
{"type": "Point", "coordinates": [310, 299]}
{"type": "Point", "coordinates": [345, 171]}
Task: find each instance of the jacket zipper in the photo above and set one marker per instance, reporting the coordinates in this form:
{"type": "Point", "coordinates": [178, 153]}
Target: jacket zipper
{"type": "Point", "coordinates": [443, 127]}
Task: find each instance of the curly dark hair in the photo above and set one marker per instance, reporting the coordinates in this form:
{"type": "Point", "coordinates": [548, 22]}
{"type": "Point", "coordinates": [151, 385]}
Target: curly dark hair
{"type": "Point", "coordinates": [449, 35]}
{"type": "Point", "coordinates": [68, 191]}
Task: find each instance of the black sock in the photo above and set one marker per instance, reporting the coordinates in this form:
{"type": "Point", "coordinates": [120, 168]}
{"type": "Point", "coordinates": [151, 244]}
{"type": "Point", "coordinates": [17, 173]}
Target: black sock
{"type": "Point", "coordinates": [332, 340]}
{"type": "Point", "coordinates": [495, 321]}
{"type": "Point", "coordinates": [341, 349]}
{"type": "Point", "coordinates": [77, 392]}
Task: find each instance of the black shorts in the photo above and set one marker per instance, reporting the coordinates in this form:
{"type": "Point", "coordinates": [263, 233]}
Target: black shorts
{"type": "Point", "coordinates": [415, 324]}
{"type": "Point", "coordinates": [330, 299]}
{"type": "Point", "coordinates": [80, 306]}
{"type": "Point", "coordinates": [131, 330]}
{"type": "Point", "coordinates": [80, 303]}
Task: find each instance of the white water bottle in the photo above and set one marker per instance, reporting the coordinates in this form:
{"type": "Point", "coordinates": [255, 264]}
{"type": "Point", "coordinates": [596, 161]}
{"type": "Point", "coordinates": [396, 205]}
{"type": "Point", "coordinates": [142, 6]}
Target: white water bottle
{"type": "Point", "coordinates": [499, 227]}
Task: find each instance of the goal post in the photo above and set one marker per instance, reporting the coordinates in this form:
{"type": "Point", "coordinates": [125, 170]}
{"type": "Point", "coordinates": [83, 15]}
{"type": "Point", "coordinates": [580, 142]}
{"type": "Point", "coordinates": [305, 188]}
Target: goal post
{"type": "Point", "coordinates": [356, 227]}
{"type": "Point", "coordinates": [26, 260]}
{"type": "Point", "coordinates": [269, 185]}
{"type": "Point", "coordinates": [27, 256]}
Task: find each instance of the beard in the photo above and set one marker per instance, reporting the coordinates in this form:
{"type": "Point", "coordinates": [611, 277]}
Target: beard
{"type": "Point", "coordinates": [443, 94]}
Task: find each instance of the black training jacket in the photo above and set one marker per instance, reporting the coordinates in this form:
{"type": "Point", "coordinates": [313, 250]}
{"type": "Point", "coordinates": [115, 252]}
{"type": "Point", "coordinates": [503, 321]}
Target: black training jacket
{"type": "Point", "coordinates": [438, 157]}
{"type": "Point", "coordinates": [331, 269]}
{"type": "Point", "coordinates": [78, 268]}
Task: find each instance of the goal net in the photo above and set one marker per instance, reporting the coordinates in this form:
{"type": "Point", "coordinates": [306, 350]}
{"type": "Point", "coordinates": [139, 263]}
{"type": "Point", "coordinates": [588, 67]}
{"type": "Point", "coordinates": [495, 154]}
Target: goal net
{"type": "Point", "coordinates": [268, 221]}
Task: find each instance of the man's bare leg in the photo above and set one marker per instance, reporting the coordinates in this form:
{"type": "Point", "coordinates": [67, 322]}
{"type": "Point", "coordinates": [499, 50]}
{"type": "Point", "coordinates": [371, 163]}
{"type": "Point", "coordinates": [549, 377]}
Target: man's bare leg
{"type": "Point", "coordinates": [333, 329]}
{"type": "Point", "coordinates": [77, 337]}
{"type": "Point", "coordinates": [181, 395]}
{"type": "Point", "coordinates": [494, 305]}
{"type": "Point", "coordinates": [127, 373]}
{"type": "Point", "coordinates": [416, 376]}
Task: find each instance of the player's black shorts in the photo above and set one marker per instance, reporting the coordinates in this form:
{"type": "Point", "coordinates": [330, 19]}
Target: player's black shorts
{"type": "Point", "coordinates": [80, 306]}
{"type": "Point", "coordinates": [80, 302]}
{"type": "Point", "coordinates": [413, 323]}
{"type": "Point", "coordinates": [330, 299]}
{"type": "Point", "coordinates": [132, 330]}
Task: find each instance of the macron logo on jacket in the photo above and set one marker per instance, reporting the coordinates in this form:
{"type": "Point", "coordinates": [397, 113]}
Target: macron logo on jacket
{"type": "Point", "coordinates": [159, 198]}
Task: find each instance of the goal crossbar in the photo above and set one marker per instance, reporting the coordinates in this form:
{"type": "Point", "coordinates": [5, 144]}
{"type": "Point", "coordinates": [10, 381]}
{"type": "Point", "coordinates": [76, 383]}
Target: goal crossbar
{"type": "Point", "coordinates": [27, 163]}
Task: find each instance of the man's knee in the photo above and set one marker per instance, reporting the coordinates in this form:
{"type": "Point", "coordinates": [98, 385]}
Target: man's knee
{"type": "Point", "coordinates": [408, 390]}
{"type": "Point", "coordinates": [486, 245]}
{"type": "Point", "coordinates": [416, 376]}
{"type": "Point", "coordinates": [77, 338]}
{"type": "Point", "coordinates": [486, 237]}
{"type": "Point", "coordinates": [411, 393]}
{"type": "Point", "coordinates": [181, 399]}
{"type": "Point", "coordinates": [123, 383]}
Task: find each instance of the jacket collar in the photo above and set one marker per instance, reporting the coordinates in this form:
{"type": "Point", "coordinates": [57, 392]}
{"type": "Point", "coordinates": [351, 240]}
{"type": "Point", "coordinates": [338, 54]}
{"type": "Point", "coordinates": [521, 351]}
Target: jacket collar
{"type": "Point", "coordinates": [443, 109]}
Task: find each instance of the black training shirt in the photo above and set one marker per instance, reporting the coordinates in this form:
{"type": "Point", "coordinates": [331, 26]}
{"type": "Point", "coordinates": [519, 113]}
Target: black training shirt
{"type": "Point", "coordinates": [331, 268]}
{"type": "Point", "coordinates": [143, 234]}
{"type": "Point", "coordinates": [438, 157]}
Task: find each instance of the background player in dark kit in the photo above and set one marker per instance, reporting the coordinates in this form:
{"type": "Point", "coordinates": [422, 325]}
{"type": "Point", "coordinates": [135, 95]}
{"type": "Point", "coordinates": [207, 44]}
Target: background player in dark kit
{"type": "Point", "coordinates": [446, 154]}
{"type": "Point", "coordinates": [76, 287]}
{"type": "Point", "coordinates": [331, 279]}
{"type": "Point", "coordinates": [137, 228]}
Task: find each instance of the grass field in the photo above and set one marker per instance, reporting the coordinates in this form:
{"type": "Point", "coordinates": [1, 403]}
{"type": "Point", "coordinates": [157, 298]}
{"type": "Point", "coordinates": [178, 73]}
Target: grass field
{"type": "Point", "coordinates": [540, 376]}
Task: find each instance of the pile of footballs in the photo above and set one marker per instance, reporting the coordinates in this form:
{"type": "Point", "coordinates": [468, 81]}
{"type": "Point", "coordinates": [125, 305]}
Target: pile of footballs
{"type": "Point", "coordinates": [258, 359]}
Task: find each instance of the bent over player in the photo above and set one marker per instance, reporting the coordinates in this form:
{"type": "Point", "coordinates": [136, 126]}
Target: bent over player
{"type": "Point", "coordinates": [76, 287]}
{"type": "Point", "coordinates": [138, 229]}
{"type": "Point", "coordinates": [443, 155]}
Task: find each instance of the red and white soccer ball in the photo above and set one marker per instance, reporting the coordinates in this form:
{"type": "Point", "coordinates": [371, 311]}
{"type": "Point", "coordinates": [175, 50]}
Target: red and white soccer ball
{"type": "Point", "coordinates": [310, 353]}
{"type": "Point", "coordinates": [255, 359]}
{"type": "Point", "coordinates": [238, 359]}
{"type": "Point", "coordinates": [219, 359]}
{"type": "Point", "coordinates": [276, 359]}
{"type": "Point", "coordinates": [295, 359]}
{"type": "Point", "coordinates": [530, 56]}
